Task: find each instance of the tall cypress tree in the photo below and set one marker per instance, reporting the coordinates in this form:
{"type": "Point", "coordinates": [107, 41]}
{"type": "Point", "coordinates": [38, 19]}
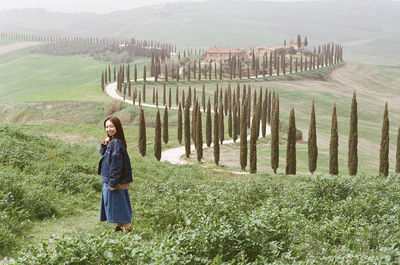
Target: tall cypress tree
{"type": "Point", "coordinates": [142, 133]}
{"type": "Point", "coordinates": [144, 92]}
{"type": "Point", "coordinates": [164, 101]}
{"type": "Point", "coordinates": [177, 96]}
{"type": "Point", "coordinates": [216, 138]}
{"type": "Point", "coordinates": [353, 138]}
{"type": "Point", "coordinates": [398, 152]}
{"type": "Point", "coordinates": [165, 125]}
{"type": "Point", "coordinates": [312, 142]}
{"type": "Point", "coordinates": [230, 121]}
{"type": "Point", "coordinates": [187, 129]}
{"type": "Point", "coordinates": [253, 143]}
{"type": "Point", "coordinates": [291, 146]}
{"type": "Point", "coordinates": [208, 124]}
{"type": "Point", "coordinates": [221, 123]}
{"type": "Point", "coordinates": [157, 137]}
{"type": "Point", "coordinates": [194, 122]}
{"type": "Point", "coordinates": [264, 114]}
{"type": "Point", "coordinates": [102, 81]}
{"type": "Point", "coordinates": [384, 151]}
{"type": "Point", "coordinates": [275, 135]}
{"type": "Point", "coordinates": [235, 122]}
{"type": "Point", "coordinates": [203, 98]}
{"type": "Point", "coordinates": [199, 135]}
{"type": "Point", "coordinates": [333, 146]}
{"type": "Point", "coordinates": [180, 123]}
{"type": "Point", "coordinates": [243, 136]}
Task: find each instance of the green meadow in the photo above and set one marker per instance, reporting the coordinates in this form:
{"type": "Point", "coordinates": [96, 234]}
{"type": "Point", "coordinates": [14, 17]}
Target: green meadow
{"type": "Point", "coordinates": [53, 106]}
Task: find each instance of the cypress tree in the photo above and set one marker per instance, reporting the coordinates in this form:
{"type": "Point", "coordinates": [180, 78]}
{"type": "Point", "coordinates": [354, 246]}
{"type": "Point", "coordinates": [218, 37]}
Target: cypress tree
{"type": "Point", "coordinates": [169, 98]}
{"type": "Point", "coordinates": [253, 143]}
{"type": "Point", "coordinates": [142, 133]}
{"type": "Point", "coordinates": [115, 74]}
{"type": "Point", "coordinates": [291, 146]}
{"type": "Point", "coordinates": [183, 99]}
{"type": "Point", "coordinates": [164, 101]}
{"type": "Point", "coordinates": [353, 138]}
{"type": "Point", "coordinates": [154, 95]}
{"type": "Point", "coordinates": [144, 92]}
{"type": "Point", "coordinates": [235, 122]}
{"type": "Point", "coordinates": [194, 122]}
{"type": "Point", "coordinates": [384, 151]}
{"type": "Point", "coordinates": [275, 136]}
{"type": "Point", "coordinates": [333, 146]}
{"type": "Point", "coordinates": [157, 137]}
{"type": "Point", "coordinates": [221, 123]}
{"type": "Point", "coordinates": [157, 97]}
{"type": "Point", "coordinates": [144, 73]}
{"type": "Point", "coordinates": [180, 123]}
{"type": "Point", "coordinates": [312, 143]}
{"type": "Point", "coordinates": [203, 98]}
{"type": "Point", "coordinates": [187, 129]}
{"type": "Point", "coordinates": [243, 136]}
{"type": "Point", "coordinates": [165, 125]}
{"type": "Point", "coordinates": [199, 135]}
{"type": "Point", "coordinates": [208, 124]}
{"type": "Point", "coordinates": [398, 152]}
{"type": "Point", "coordinates": [135, 73]}
{"type": "Point", "coordinates": [105, 76]}
{"type": "Point", "coordinates": [230, 121]}
{"type": "Point", "coordinates": [264, 114]}
{"type": "Point", "coordinates": [176, 96]}
{"type": "Point", "coordinates": [216, 138]}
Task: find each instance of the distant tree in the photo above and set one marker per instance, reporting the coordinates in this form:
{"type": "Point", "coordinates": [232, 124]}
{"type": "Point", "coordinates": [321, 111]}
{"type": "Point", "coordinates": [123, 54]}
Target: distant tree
{"type": "Point", "coordinates": [235, 122]}
{"type": "Point", "coordinates": [187, 129]}
{"type": "Point", "coordinates": [169, 98]}
{"type": "Point", "coordinates": [243, 136]}
{"type": "Point", "coordinates": [194, 122]}
{"type": "Point", "coordinates": [166, 72]}
{"type": "Point", "coordinates": [164, 101]}
{"type": "Point", "coordinates": [142, 133]}
{"type": "Point", "coordinates": [165, 125]}
{"type": "Point", "coordinates": [384, 150]}
{"type": "Point", "coordinates": [176, 95]}
{"type": "Point", "coordinates": [291, 146]}
{"type": "Point", "coordinates": [208, 124]}
{"type": "Point", "coordinates": [305, 41]}
{"type": "Point", "coordinates": [179, 123]}
{"type": "Point", "coordinates": [216, 138]}
{"type": "Point", "coordinates": [398, 152]}
{"type": "Point", "coordinates": [264, 114]}
{"type": "Point", "coordinates": [230, 120]}
{"type": "Point", "coordinates": [312, 143]}
{"type": "Point", "coordinates": [353, 138]}
{"type": "Point", "coordinates": [154, 95]}
{"type": "Point", "coordinates": [253, 143]}
{"type": "Point", "coordinates": [135, 73]}
{"type": "Point", "coordinates": [199, 136]}
{"type": "Point", "coordinates": [203, 98]}
{"type": "Point", "coordinates": [144, 73]}
{"type": "Point", "coordinates": [221, 123]}
{"type": "Point", "coordinates": [334, 144]}
{"type": "Point", "coordinates": [157, 137]}
{"type": "Point", "coordinates": [115, 71]}
{"type": "Point", "coordinates": [157, 97]}
{"type": "Point", "coordinates": [298, 41]}
{"type": "Point", "coordinates": [144, 92]}
{"type": "Point", "coordinates": [275, 135]}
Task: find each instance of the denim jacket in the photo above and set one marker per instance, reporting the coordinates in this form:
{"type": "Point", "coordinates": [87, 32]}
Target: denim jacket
{"type": "Point", "coordinates": [116, 165]}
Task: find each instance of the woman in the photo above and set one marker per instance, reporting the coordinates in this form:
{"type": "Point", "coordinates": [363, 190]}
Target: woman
{"type": "Point", "coordinates": [116, 174]}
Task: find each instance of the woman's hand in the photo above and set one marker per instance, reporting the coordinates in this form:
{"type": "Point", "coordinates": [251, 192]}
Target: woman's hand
{"type": "Point", "coordinates": [112, 189]}
{"type": "Point", "coordinates": [107, 140]}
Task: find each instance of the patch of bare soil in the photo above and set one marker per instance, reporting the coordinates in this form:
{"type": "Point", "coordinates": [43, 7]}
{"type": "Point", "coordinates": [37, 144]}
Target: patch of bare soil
{"type": "Point", "coordinates": [17, 46]}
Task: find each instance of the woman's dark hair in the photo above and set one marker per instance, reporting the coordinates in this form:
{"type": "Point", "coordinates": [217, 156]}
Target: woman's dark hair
{"type": "Point", "coordinates": [118, 126]}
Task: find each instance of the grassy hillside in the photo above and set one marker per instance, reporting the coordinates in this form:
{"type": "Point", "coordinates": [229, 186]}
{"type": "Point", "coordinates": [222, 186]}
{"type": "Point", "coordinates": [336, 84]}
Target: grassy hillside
{"type": "Point", "coordinates": [193, 216]}
{"type": "Point", "coordinates": [237, 24]}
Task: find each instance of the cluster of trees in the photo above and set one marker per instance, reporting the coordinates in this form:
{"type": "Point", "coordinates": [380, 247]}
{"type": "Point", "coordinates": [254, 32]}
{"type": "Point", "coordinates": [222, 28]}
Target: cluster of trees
{"type": "Point", "coordinates": [276, 63]}
{"type": "Point", "coordinates": [105, 49]}
{"type": "Point", "coordinates": [264, 107]}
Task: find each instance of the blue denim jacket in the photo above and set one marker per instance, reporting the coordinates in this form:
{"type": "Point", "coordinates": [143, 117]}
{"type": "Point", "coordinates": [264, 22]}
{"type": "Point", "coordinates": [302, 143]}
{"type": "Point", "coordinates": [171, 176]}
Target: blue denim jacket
{"type": "Point", "coordinates": [116, 166]}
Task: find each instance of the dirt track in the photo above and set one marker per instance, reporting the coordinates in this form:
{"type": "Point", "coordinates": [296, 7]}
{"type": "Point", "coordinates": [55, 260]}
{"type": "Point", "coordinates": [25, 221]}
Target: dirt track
{"type": "Point", "coordinates": [16, 46]}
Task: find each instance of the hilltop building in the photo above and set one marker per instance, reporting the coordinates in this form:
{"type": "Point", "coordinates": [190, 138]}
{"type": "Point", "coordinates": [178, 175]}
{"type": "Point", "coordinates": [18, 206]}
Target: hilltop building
{"type": "Point", "coordinates": [261, 50]}
{"type": "Point", "coordinates": [217, 54]}
{"type": "Point", "coordinates": [294, 44]}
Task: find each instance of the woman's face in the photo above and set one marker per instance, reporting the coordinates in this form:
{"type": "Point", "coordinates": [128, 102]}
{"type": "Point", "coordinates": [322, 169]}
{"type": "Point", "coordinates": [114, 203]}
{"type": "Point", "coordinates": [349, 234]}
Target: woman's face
{"type": "Point", "coordinates": [110, 129]}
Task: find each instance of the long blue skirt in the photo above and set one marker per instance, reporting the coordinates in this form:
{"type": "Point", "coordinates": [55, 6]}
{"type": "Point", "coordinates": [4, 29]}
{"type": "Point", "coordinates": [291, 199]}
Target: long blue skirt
{"type": "Point", "coordinates": [115, 206]}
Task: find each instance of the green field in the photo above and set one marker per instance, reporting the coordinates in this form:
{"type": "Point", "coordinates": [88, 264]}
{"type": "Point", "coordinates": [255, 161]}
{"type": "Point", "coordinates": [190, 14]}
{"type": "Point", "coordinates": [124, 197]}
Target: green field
{"type": "Point", "coordinates": [178, 207]}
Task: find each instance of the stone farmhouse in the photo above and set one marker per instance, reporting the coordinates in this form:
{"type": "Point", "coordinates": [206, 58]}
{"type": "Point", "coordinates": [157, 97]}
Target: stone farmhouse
{"type": "Point", "coordinates": [261, 50]}
{"type": "Point", "coordinates": [217, 54]}
{"type": "Point", "coordinates": [294, 44]}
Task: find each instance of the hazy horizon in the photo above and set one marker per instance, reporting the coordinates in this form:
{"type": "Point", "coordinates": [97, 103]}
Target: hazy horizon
{"type": "Point", "coordinates": [101, 7]}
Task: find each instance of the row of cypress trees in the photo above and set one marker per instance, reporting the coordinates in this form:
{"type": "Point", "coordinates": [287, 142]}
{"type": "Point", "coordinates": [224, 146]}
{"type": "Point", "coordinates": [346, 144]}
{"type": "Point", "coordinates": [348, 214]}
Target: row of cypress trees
{"type": "Point", "coordinates": [193, 132]}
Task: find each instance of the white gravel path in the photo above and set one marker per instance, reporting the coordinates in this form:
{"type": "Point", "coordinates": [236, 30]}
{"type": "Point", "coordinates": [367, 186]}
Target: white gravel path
{"type": "Point", "coordinates": [173, 155]}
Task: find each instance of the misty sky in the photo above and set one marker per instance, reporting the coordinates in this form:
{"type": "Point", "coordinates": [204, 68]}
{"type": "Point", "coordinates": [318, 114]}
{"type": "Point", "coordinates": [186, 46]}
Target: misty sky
{"type": "Point", "coordinates": [92, 6]}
